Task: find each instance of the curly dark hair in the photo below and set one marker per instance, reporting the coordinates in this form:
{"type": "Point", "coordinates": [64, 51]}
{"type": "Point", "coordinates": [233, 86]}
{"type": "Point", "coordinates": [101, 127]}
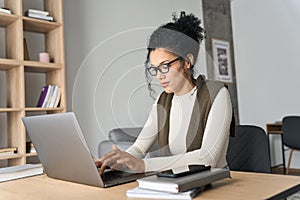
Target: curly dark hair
{"type": "Point", "coordinates": [183, 36]}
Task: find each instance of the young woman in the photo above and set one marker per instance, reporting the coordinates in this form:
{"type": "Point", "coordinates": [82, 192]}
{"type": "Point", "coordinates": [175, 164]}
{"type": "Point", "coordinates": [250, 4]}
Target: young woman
{"type": "Point", "coordinates": [191, 119]}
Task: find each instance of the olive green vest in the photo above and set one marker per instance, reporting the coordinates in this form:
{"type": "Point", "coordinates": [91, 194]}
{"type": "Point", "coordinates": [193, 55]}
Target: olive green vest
{"type": "Point", "coordinates": [206, 93]}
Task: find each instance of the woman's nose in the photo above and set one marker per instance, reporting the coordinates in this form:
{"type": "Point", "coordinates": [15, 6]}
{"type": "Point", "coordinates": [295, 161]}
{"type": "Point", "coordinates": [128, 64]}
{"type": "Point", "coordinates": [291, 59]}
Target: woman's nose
{"type": "Point", "coordinates": [159, 75]}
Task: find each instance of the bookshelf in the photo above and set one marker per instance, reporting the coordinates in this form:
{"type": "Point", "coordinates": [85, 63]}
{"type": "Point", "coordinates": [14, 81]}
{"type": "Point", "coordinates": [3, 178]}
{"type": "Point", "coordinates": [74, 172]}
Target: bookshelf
{"type": "Point", "coordinates": [16, 68]}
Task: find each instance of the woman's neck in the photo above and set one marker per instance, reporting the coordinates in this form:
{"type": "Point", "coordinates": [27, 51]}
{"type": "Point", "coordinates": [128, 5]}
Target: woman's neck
{"type": "Point", "coordinates": [186, 88]}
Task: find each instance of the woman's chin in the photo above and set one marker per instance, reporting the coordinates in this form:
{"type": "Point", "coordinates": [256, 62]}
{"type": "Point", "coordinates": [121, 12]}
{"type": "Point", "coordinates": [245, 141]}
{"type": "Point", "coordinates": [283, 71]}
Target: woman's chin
{"type": "Point", "coordinates": [168, 90]}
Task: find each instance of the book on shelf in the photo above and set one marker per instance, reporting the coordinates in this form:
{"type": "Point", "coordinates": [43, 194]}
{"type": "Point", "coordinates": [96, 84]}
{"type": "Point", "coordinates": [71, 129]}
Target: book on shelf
{"type": "Point", "coordinates": [57, 98]}
{"type": "Point", "coordinates": [5, 10]}
{"type": "Point", "coordinates": [43, 96]}
{"type": "Point", "coordinates": [49, 97]}
{"type": "Point", "coordinates": [20, 171]}
{"type": "Point", "coordinates": [8, 151]}
{"type": "Point", "coordinates": [26, 52]}
{"type": "Point", "coordinates": [39, 14]}
{"type": "Point", "coordinates": [184, 183]}
{"type": "Point", "coordinates": [142, 193]}
{"type": "Point", "coordinates": [52, 99]}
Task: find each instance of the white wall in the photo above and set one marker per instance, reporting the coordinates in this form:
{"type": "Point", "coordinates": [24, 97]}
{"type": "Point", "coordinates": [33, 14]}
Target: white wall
{"type": "Point", "coordinates": [105, 51]}
{"type": "Point", "coordinates": [266, 39]}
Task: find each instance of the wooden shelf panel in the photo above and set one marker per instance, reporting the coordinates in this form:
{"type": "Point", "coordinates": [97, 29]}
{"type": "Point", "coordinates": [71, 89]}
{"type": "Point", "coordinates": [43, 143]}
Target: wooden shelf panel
{"type": "Point", "coordinates": [10, 157]}
{"type": "Point", "coordinates": [7, 19]}
{"type": "Point", "coordinates": [275, 128]}
{"type": "Point", "coordinates": [10, 110]}
{"type": "Point", "coordinates": [38, 25]}
{"type": "Point", "coordinates": [33, 66]}
{"type": "Point", "coordinates": [6, 64]}
{"type": "Point", "coordinates": [31, 154]}
{"type": "Point", "coordinates": [44, 109]}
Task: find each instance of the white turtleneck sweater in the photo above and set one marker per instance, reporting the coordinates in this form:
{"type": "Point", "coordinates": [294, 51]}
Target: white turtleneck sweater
{"type": "Point", "coordinates": [215, 138]}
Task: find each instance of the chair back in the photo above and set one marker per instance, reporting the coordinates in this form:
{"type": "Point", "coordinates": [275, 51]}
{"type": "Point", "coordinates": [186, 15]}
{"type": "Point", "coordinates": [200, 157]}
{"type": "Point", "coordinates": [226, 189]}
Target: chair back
{"type": "Point", "coordinates": [291, 131]}
{"type": "Point", "coordinates": [249, 150]}
{"type": "Point", "coordinates": [124, 138]}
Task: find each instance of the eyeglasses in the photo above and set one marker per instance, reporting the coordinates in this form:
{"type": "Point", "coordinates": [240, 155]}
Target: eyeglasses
{"type": "Point", "coordinates": [162, 68]}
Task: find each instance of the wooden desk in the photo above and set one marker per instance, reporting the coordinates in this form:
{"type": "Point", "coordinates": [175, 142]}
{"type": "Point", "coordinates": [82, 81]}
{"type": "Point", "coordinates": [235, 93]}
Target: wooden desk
{"type": "Point", "coordinates": [242, 185]}
{"type": "Point", "coordinates": [276, 128]}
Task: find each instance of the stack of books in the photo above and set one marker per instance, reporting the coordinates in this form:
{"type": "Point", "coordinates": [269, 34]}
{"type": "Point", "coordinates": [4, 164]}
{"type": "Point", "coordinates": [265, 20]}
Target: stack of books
{"type": "Point", "coordinates": [185, 187]}
{"type": "Point", "coordinates": [50, 97]}
{"type": "Point", "coordinates": [39, 14]}
{"type": "Point", "coordinates": [5, 10]}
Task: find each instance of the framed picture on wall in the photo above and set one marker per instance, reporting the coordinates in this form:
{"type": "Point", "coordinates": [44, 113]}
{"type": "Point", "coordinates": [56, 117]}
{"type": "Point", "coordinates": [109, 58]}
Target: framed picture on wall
{"type": "Point", "coordinates": [222, 60]}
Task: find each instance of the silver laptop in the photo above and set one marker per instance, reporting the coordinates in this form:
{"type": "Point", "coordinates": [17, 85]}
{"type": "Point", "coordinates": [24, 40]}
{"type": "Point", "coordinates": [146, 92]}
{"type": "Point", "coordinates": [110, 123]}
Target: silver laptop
{"type": "Point", "coordinates": [64, 153]}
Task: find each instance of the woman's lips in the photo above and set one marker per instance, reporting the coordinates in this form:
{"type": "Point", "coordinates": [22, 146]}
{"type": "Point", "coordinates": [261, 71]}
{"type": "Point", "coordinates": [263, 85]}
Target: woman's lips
{"type": "Point", "coordinates": [164, 84]}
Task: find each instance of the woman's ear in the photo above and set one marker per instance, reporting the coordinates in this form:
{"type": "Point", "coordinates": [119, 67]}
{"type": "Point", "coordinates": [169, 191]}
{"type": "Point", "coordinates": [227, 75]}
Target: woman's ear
{"type": "Point", "coordinates": [190, 59]}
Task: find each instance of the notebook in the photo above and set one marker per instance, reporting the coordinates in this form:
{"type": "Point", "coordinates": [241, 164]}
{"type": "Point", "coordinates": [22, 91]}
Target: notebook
{"type": "Point", "coordinates": [64, 153]}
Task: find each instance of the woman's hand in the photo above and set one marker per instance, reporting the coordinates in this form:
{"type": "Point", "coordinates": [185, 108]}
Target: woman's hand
{"type": "Point", "coordinates": [120, 160]}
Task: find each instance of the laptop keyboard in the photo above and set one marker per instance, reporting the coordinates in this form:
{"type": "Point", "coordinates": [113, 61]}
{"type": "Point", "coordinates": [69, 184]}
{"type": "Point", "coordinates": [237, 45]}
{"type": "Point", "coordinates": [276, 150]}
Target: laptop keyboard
{"type": "Point", "coordinates": [114, 175]}
{"type": "Point", "coordinates": [111, 178]}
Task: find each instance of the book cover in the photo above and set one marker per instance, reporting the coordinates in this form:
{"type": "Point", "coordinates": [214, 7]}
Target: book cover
{"type": "Point", "coordinates": [42, 96]}
{"type": "Point", "coordinates": [49, 99]}
{"type": "Point", "coordinates": [26, 51]}
{"type": "Point", "coordinates": [185, 183]}
{"type": "Point", "coordinates": [57, 98]}
{"type": "Point", "coordinates": [20, 171]}
{"type": "Point", "coordinates": [45, 102]}
{"type": "Point", "coordinates": [53, 96]}
{"type": "Point", "coordinates": [142, 193]}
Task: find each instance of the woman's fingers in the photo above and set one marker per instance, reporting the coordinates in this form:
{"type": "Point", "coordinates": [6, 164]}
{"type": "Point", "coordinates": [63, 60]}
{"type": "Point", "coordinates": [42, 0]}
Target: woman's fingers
{"type": "Point", "coordinates": [107, 155]}
{"type": "Point", "coordinates": [114, 147]}
{"type": "Point", "coordinates": [121, 160]}
{"type": "Point", "coordinates": [98, 163]}
{"type": "Point", "coordinates": [109, 159]}
{"type": "Point", "coordinates": [102, 168]}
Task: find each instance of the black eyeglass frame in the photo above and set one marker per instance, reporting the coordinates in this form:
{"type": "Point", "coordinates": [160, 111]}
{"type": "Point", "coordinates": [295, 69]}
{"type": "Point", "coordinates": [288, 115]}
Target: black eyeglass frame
{"type": "Point", "coordinates": [158, 68]}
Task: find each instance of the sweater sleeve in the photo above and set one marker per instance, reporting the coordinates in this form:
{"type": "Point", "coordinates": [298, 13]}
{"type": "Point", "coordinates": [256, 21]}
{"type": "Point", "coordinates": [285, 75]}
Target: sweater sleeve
{"type": "Point", "coordinates": [215, 140]}
{"type": "Point", "coordinates": [147, 136]}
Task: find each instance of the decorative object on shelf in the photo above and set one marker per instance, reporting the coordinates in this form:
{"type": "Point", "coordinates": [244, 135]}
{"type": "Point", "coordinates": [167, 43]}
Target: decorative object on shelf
{"type": "Point", "coordinates": [222, 60]}
{"type": "Point", "coordinates": [39, 14]}
{"type": "Point", "coordinates": [30, 147]}
{"type": "Point", "coordinates": [44, 57]}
